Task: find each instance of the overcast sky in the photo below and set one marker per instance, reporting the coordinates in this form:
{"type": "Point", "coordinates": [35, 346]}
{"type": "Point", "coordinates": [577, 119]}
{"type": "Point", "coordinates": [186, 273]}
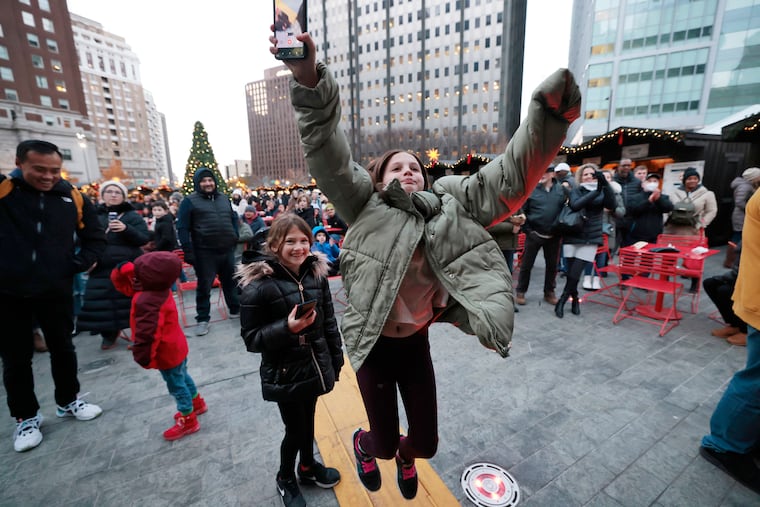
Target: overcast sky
{"type": "Point", "coordinates": [197, 56]}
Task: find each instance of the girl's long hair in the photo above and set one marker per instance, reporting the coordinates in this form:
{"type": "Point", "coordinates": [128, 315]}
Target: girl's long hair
{"type": "Point", "coordinates": [280, 227]}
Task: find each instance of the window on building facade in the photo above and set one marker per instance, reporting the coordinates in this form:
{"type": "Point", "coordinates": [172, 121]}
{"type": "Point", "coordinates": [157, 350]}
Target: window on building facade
{"type": "Point", "coordinates": [63, 103]}
{"type": "Point", "coordinates": [41, 81]}
{"type": "Point", "coordinates": [47, 25]}
{"type": "Point", "coordinates": [33, 40]}
{"type": "Point", "coordinates": [44, 5]}
{"type": "Point", "coordinates": [60, 85]}
{"type": "Point", "coordinates": [46, 101]}
{"type": "Point", "coordinates": [6, 74]}
{"type": "Point", "coordinates": [38, 62]}
{"type": "Point", "coordinates": [56, 65]}
{"type": "Point", "coordinates": [65, 154]}
{"type": "Point", "coordinates": [52, 45]}
{"type": "Point", "coordinates": [11, 95]}
{"type": "Point", "coordinates": [27, 18]}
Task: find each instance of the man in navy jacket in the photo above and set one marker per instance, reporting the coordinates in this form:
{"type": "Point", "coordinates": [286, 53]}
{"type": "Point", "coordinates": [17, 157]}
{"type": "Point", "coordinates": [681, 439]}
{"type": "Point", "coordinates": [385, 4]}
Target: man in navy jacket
{"type": "Point", "coordinates": [39, 219]}
{"type": "Point", "coordinates": [208, 232]}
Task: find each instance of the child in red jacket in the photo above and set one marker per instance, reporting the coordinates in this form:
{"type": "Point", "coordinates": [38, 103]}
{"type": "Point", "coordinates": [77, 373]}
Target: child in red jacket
{"type": "Point", "coordinates": [159, 341]}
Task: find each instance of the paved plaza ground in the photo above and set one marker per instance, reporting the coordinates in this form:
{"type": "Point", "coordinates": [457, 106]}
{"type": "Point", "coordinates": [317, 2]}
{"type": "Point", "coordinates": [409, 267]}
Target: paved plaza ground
{"type": "Point", "coordinates": [584, 412]}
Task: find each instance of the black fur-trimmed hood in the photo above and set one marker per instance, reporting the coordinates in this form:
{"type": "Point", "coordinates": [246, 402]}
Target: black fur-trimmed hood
{"type": "Point", "coordinates": [256, 265]}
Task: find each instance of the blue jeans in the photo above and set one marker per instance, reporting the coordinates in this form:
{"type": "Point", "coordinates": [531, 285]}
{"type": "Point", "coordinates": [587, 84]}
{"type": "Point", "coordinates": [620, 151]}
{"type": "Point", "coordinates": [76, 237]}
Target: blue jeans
{"type": "Point", "coordinates": [735, 424]}
{"type": "Point", "coordinates": [601, 262]}
{"type": "Point", "coordinates": [181, 386]}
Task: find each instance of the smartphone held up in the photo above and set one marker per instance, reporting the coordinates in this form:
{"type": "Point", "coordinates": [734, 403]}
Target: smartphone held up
{"type": "Point", "coordinates": [289, 21]}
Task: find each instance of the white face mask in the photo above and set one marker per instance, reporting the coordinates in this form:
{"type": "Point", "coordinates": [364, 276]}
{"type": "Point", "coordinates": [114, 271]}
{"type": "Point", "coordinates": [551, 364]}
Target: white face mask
{"type": "Point", "coordinates": [651, 186]}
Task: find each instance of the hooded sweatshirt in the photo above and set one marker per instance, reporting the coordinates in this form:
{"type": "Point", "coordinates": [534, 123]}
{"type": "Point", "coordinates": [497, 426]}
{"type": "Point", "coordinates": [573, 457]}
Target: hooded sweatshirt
{"type": "Point", "coordinates": [206, 220]}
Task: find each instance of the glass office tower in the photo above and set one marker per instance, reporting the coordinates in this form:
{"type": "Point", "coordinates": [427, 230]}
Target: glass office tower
{"type": "Point", "coordinates": [422, 74]}
{"type": "Point", "coordinates": [669, 64]}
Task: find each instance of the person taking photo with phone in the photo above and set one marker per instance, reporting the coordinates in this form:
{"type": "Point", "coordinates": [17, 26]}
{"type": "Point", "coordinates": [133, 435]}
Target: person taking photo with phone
{"type": "Point", "coordinates": [418, 252]}
{"type": "Point", "coordinates": [105, 309]}
{"type": "Point", "coordinates": [591, 196]}
{"type": "Point", "coordinates": [301, 356]}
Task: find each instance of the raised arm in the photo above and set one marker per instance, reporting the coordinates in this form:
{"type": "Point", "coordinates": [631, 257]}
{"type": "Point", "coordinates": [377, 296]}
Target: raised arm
{"type": "Point", "coordinates": [314, 94]}
{"type": "Point", "coordinates": [501, 187]}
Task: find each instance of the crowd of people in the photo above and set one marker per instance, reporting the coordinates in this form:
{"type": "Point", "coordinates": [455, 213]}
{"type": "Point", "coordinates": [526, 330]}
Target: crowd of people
{"type": "Point", "coordinates": [432, 251]}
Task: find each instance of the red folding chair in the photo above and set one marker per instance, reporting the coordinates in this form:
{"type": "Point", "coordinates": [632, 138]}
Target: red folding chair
{"type": "Point", "coordinates": [191, 284]}
{"type": "Point", "coordinates": [691, 268]}
{"type": "Point", "coordinates": [653, 273]}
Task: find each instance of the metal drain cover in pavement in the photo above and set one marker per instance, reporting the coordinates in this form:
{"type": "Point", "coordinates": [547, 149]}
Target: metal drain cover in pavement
{"type": "Point", "coordinates": [94, 366]}
{"type": "Point", "coordinates": [488, 485]}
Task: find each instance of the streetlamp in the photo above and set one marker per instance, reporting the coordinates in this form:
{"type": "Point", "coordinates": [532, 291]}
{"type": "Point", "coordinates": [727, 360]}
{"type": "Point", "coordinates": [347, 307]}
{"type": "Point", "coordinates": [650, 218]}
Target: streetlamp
{"type": "Point", "coordinates": [609, 110]}
{"type": "Point", "coordinates": [82, 140]}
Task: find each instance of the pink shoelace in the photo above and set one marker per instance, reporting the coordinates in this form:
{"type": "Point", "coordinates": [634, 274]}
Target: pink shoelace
{"type": "Point", "coordinates": [408, 472]}
{"type": "Point", "coordinates": [369, 466]}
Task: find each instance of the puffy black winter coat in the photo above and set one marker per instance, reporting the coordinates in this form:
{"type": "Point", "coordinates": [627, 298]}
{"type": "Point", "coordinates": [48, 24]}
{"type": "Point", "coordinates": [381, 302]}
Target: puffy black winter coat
{"type": "Point", "coordinates": [647, 217]}
{"type": "Point", "coordinates": [593, 203]}
{"type": "Point", "coordinates": [206, 221]}
{"type": "Point", "coordinates": [37, 235]}
{"type": "Point", "coordinates": [293, 366]}
{"type": "Point", "coordinates": [105, 308]}
{"type": "Point", "coordinates": [164, 234]}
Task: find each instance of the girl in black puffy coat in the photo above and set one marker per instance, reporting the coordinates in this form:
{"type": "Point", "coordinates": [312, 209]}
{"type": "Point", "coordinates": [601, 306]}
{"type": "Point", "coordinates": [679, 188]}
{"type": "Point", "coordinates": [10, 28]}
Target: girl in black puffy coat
{"type": "Point", "coordinates": [301, 356]}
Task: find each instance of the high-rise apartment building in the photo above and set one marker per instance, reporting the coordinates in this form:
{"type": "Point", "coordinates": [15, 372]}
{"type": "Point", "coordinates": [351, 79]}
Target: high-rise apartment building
{"type": "Point", "coordinates": [668, 64]}
{"type": "Point", "coordinates": [159, 141]}
{"type": "Point", "coordinates": [420, 75]}
{"type": "Point", "coordinates": [41, 94]}
{"type": "Point", "coordinates": [116, 103]}
{"type": "Point", "coordinates": [276, 154]}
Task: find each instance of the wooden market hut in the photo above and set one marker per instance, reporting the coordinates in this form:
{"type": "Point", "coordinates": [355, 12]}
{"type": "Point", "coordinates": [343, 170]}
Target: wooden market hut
{"type": "Point", "coordinates": [723, 161]}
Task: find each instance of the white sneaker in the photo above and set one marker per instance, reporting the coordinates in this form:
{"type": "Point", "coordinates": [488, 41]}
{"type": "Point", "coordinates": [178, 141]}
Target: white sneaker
{"type": "Point", "coordinates": [202, 329]}
{"type": "Point", "coordinates": [80, 409]}
{"type": "Point", "coordinates": [234, 315]}
{"type": "Point", "coordinates": [28, 434]}
{"type": "Point", "coordinates": [595, 284]}
{"type": "Point", "coordinates": [587, 282]}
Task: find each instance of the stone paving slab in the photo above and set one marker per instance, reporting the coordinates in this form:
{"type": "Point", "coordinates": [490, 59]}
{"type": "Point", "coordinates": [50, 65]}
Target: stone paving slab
{"type": "Point", "coordinates": [583, 413]}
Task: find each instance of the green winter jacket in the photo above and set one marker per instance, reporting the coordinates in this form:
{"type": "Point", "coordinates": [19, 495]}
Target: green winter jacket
{"type": "Point", "coordinates": [386, 227]}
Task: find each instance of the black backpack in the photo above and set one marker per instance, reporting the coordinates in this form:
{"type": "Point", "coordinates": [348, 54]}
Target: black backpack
{"type": "Point", "coordinates": [684, 213]}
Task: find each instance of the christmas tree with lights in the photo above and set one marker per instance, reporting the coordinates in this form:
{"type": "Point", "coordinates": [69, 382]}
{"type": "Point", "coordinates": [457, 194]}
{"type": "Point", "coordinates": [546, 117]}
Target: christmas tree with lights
{"type": "Point", "coordinates": [201, 155]}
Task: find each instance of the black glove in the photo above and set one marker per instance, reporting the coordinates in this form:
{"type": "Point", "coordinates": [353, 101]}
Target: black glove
{"type": "Point", "coordinates": [189, 257]}
{"type": "Point", "coordinates": [601, 180]}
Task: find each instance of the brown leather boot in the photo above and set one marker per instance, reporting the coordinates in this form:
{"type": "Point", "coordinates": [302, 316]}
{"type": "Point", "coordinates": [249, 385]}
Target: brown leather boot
{"type": "Point", "coordinates": [550, 298]}
{"type": "Point", "coordinates": [738, 339]}
{"type": "Point", "coordinates": [724, 332]}
{"type": "Point", "coordinates": [730, 257]}
{"type": "Point", "coordinates": [520, 298]}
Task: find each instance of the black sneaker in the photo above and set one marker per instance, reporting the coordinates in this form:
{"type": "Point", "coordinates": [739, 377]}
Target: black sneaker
{"type": "Point", "coordinates": [366, 466]}
{"type": "Point", "coordinates": [407, 478]}
{"type": "Point", "coordinates": [318, 475]}
{"type": "Point", "coordinates": [289, 492]}
{"type": "Point", "coordinates": [739, 466]}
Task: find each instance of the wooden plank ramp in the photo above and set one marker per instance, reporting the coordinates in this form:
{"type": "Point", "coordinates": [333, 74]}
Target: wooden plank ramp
{"type": "Point", "coordinates": [338, 415]}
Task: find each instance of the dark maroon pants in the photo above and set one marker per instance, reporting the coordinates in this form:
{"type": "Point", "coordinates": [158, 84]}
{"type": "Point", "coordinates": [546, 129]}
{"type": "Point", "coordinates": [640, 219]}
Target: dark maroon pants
{"type": "Point", "coordinates": [402, 363]}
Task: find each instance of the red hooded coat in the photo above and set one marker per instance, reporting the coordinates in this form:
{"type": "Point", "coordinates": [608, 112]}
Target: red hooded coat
{"type": "Point", "coordinates": [159, 341]}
